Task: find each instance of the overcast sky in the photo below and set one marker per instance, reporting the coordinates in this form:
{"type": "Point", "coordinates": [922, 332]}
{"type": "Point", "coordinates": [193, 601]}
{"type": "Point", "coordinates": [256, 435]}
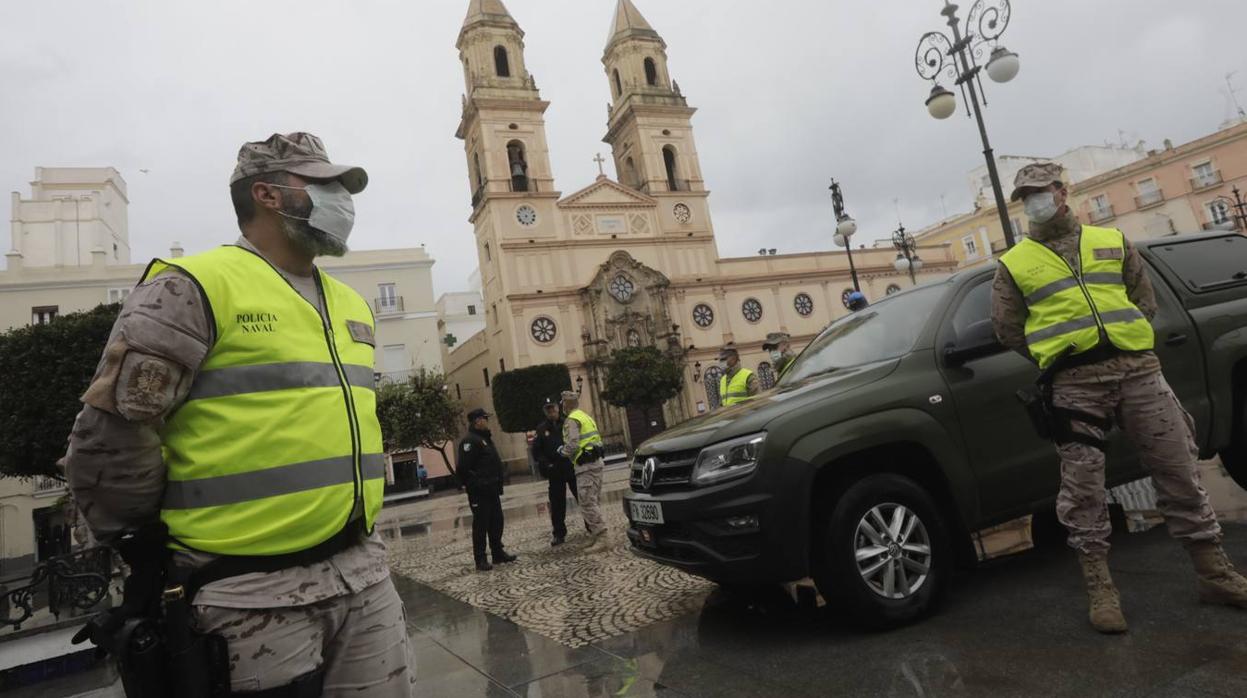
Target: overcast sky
{"type": "Point", "coordinates": [789, 92]}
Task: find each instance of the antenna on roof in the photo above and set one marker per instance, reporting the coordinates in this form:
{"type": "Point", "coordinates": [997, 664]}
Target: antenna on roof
{"type": "Point", "coordinates": [1229, 85]}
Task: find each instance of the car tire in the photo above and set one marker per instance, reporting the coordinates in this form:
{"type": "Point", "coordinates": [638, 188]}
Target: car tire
{"type": "Point", "coordinates": [869, 574]}
{"type": "Point", "coordinates": [1234, 456]}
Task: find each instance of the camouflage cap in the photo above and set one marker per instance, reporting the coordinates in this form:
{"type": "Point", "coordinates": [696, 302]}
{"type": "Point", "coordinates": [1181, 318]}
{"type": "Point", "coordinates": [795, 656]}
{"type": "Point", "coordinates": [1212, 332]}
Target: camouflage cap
{"type": "Point", "coordinates": [774, 339]}
{"type": "Point", "coordinates": [729, 350]}
{"type": "Point", "coordinates": [297, 153]}
{"type": "Point", "coordinates": [1036, 176]}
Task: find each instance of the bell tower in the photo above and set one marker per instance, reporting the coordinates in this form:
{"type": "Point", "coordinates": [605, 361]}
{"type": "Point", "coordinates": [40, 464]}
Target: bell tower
{"type": "Point", "coordinates": [650, 125]}
{"type": "Point", "coordinates": [503, 124]}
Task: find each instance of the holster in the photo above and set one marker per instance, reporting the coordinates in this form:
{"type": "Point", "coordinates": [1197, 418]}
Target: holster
{"type": "Point", "coordinates": [1037, 401]}
{"type": "Point", "coordinates": [589, 455]}
{"type": "Point", "coordinates": [1056, 424]}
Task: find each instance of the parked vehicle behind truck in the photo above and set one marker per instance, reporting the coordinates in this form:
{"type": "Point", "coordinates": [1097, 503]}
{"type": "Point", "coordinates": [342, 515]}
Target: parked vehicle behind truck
{"type": "Point", "coordinates": [897, 434]}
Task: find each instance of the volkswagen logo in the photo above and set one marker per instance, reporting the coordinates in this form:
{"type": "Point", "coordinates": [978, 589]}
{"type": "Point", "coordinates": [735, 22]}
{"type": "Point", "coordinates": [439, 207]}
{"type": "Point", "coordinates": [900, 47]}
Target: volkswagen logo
{"type": "Point", "coordinates": [647, 472]}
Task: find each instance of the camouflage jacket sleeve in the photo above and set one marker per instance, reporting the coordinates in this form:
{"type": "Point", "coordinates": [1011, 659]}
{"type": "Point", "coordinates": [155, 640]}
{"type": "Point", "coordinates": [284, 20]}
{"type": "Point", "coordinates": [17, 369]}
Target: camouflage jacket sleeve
{"type": "Point", "coordinates": [1138, 283]}
{"type": "Point", "coordinates": [572, 440]}
{"type": "Point", "coordinates": [1008, 310]}
{"type": "Point", "coordinates": [114, 465]}
{"type": "Point", "coordinates": [753, 386]}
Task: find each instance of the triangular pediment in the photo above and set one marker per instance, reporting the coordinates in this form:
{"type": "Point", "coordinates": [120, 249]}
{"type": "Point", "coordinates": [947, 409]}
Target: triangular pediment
{"type": "Point", "coordinates": [605, 193]}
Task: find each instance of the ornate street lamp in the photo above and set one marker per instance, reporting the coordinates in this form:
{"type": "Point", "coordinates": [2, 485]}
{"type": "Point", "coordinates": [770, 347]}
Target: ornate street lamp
{"type": "Point", "coordinates": [579, 384]}
{"type": "Point", "coordinates": [958, 60]}
{"type": "Point", "coordinates": [907, 259]}
{"type": "Point", "coordinates": [845, 228]}
{"type": "Point", "coordinates": [1238, 206]}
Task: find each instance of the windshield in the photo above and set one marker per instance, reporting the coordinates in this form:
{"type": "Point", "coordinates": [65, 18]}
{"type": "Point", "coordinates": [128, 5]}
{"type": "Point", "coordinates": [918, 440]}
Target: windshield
{"type": "Point", "coordinates": [883, 331]}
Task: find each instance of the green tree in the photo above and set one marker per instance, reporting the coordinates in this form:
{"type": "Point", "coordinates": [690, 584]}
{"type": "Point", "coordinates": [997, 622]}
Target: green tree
{"type": "Point", "coordinates": [46, 369]}
{"type": "Point", "coordinates": [642, 377]}
{"type": "Point", "coordinates": [419, 413]}
{"type": "Point", "coordinates": [519, 394]}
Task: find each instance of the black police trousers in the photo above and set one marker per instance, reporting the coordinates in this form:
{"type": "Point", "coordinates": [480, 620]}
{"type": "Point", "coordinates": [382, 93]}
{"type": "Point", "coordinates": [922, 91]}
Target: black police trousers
{"type": "Point", "coordinates": [562, 478]}
{"type": "Point", "coordinates": [486, 522]}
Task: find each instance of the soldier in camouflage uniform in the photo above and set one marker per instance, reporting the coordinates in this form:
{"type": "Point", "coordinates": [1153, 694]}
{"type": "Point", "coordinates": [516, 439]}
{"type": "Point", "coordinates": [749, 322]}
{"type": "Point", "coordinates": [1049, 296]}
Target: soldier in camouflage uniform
{"type": "Point", "coordinates": [338, 622]}
{"type": "Point", "coordinates": [779, 344]}
{"type": "Point", "coordinates": [1114, 385]}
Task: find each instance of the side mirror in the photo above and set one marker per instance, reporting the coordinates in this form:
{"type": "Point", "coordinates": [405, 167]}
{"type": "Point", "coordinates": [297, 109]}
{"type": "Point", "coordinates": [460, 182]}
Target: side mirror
{"type": "Point", "coordinates": [974, 342]}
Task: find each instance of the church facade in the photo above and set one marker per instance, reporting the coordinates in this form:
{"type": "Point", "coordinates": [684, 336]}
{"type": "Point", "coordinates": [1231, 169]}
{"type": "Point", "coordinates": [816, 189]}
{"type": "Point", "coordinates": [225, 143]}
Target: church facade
{"type": "Point", "coordinates": [630, 261]}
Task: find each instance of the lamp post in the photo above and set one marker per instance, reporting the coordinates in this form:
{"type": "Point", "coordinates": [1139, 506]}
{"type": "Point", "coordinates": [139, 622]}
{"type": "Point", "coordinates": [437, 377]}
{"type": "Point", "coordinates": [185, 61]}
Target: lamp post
{"type": "Point", "coordinates": [958, 60]}
{"type": "Point", "coordinates": [1238, 206]}
{"type": "Point", "coordinates": [907, 258]}
{"type": "Point", "coordinates": [845, 227]}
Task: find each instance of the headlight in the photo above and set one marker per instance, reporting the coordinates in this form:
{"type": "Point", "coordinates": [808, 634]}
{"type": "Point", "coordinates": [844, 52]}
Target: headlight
{"type": "Point", "coordinates": [729, 459]}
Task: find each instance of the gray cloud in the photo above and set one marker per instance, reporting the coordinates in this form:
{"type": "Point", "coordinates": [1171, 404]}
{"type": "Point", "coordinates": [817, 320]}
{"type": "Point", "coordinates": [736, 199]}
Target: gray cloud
{"type": "Point", "coordinates": [790, 94]}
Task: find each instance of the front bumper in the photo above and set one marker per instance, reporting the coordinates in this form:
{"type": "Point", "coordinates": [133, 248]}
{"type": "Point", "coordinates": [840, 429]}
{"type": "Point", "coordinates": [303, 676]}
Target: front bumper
{"type": "Point", "coordinates": [733, 532]}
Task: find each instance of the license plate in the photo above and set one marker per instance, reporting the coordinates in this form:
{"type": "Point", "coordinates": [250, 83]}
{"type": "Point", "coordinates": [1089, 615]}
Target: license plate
{"type": "Point", "coordinates": [646, 512]}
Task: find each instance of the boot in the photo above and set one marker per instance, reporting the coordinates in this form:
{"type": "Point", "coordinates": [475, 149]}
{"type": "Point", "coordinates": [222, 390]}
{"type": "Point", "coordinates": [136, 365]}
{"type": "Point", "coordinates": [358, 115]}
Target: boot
{"type": "Point", "coordinates": [482, 565]}
{"type": "Point", "coordinates": [503, 558]}
{"type": "Point", "coordinates": [1219, 582]}
{"type": "Point", "coordinates": [556, 541]}
{"type": "Point", "coordinates": [1105, 615]}
{"type": "Point", "coordinates": [600, 542]}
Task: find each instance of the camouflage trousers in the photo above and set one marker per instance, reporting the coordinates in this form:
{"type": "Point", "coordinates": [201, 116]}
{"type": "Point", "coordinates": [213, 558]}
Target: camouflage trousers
{"type": "Point", "coordinates": [1146, 409]}
{"type": "Point", "coordinates": [589, 495]}
{"type": "Point", "coordinates": [359, 640]}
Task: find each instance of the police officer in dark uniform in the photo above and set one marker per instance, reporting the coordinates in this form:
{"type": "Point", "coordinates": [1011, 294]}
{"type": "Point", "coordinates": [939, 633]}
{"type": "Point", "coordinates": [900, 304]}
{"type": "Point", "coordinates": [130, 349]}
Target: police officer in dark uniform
{"type": "Point", "coordinates": [554, 467]}
{"type": "Point", "coordinates": [480, 473]}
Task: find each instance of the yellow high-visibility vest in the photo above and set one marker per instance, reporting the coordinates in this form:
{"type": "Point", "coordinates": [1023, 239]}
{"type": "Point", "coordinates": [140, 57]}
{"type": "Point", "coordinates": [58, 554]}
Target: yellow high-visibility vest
{"type": "Point", "coordinates": [278, 442]}
{"type": "Point", "coordinates": [589, 435]}
{"type": "Point", "coordinates": [1070, 307]}
{"type": "Point", "coordinates": [735, 391]}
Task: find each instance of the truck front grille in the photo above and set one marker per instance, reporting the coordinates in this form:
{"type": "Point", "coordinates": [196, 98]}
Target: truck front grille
{"type": "Point", "coordinates": [673, 470]}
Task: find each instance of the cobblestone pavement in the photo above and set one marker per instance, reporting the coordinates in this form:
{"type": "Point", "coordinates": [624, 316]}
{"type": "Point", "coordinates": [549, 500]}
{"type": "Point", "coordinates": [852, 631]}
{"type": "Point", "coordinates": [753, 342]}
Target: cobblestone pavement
{"type": "Point", "coordinates": [562, 593]}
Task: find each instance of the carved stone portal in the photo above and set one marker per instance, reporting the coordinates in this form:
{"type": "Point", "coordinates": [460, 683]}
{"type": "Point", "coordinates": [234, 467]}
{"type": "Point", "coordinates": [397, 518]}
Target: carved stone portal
{"type": "Point", "coordinates": [627, 304]}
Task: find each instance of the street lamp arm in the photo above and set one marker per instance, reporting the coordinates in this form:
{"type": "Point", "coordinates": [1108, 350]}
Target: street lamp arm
{"type": "Point", "coordinates": [988, 19]}
{"type": "Point", "coordinates": [931, 58]}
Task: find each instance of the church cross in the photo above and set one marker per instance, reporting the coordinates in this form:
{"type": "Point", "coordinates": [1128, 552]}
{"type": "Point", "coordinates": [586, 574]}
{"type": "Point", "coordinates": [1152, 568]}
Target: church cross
{"type": "Point", "coordinates": [600, 161]}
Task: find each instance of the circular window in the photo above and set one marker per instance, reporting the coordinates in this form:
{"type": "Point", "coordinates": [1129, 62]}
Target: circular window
{"type": "Point", "coordinates": [544, 330]}
{"type": "Point", "coordinates": [622, 288]}
{"type": "Point", "coordinates": [804, 304]}
{"type": "Point", "coordinates": [526, 215]}
{"type": "Point", "coordinates": [752, 309]}
{"type": "Point", "coordinates": [703, 315]}
{"type": "Point", "coordinates": [844, 297]}
{"type": "Point", "coordinates": [893, 288]}
{"type": "Point", "coordinates": [683, 214]}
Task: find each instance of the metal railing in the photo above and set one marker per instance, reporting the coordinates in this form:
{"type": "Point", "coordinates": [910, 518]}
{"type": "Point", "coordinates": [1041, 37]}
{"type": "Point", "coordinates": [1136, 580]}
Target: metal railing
{"type": "Point", "coordinates": [384, 306]}
{"type": "Point", "coordinates": [1099, 215]}
{"type": "Point", "coordinates": [73, 583]}
{"type": "Point", "coordinates": [1150, 198]}
{"type": "Point", "coordinates": [47, 486]}
{"type": "Point", "coordinates": [1206, 181]}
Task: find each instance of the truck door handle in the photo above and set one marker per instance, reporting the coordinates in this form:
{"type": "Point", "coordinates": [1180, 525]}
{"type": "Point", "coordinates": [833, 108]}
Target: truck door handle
{"type": "Point", "coordinates": [1175, 339]}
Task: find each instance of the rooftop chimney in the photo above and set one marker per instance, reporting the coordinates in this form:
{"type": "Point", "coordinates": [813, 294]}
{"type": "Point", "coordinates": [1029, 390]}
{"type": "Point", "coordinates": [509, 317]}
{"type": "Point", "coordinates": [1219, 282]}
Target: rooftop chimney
{"type": "Point", "coordinates": [176, 250]}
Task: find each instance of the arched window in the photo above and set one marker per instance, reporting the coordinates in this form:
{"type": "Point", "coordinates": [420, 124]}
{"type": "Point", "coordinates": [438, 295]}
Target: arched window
{"type": "Point", "coordinates": [651, 72]}
{"type": "Point", "coordinates": [713, 374]}
{"type": "Point", "coordinates": [633, 180]}
{"type": "Point", "coordinates": [502, 62]}
{"type": "Point", "coordinates": [476, 169]}
{"type": "Point", "coordinates": [517, 166]}
{"type": "Point", "coordinates": [618, 85]}
{"type": "Point", "coordinates": [766, 375]}
{"type": "Point", "coordinates": [669, 159]}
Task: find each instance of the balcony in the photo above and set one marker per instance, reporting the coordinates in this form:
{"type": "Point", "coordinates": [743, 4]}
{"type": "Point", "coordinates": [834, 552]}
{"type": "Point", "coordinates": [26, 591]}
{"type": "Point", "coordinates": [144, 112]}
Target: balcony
{"type": "Point", "coordinates": [48, 486]}
{"type": "Point", "coordinates": [1149, 199]}
{"type": "Point", "coordinates": [1099, 215]}
{"type": "Point", "coordinates": [1206, 181]}
{"type": "Point", "coordinates": [388, 306]}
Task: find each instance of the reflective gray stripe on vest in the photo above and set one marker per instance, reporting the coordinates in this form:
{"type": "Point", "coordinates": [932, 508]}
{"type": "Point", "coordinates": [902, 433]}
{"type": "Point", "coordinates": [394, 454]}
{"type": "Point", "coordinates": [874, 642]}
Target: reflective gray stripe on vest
{"type": "Point", "coordinates": [744, 394]}
{"type": "Point", "coordinates": [1046, 292]}
{"type": "Point", "coordinates": [1115, 316]}
{"type": "Point", "coordinates": [270, 482]}
{"type": "Point", "coordinates": [586, 437]}
{"type": "Point", "coordinates": [240, 380]}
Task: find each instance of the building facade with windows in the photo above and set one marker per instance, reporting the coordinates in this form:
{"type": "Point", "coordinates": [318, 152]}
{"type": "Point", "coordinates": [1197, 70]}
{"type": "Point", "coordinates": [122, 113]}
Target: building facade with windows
{"type": "Point", "coordinates": [460, 315]}
{"type": "Point", "coordinates": [1177, 189]}
{"type": "Point", "coordinates": [629, 261]}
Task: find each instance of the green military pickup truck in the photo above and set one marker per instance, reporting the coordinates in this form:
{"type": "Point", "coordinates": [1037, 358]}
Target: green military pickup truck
{"type": "Point", "coordinates": [897, 434]}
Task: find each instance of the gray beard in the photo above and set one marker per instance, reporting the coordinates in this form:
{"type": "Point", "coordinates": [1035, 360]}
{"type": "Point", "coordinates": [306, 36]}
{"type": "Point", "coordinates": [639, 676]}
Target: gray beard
{"type": "Point", "coordinates": [312, 241]}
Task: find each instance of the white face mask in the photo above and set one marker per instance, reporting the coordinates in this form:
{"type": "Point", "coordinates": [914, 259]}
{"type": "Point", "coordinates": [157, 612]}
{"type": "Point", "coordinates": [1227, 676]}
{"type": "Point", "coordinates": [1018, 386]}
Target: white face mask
{"type": "Point", "coordinates": [1041, 207]}
{"type": "Point", "coordinates": [776, 355]}
{"type": "Point", "coordinates": [723, 364]}
{"type": "Point", "coordinates": [333, 210]}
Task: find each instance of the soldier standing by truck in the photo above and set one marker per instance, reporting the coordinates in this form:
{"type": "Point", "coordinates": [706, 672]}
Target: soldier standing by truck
{"type": "Point", "coordinates": [1076, 300]}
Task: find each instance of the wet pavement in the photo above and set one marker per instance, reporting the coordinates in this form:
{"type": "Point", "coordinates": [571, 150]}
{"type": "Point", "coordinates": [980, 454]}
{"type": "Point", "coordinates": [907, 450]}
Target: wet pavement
{"type": "Point", "coordinates": [1013, 627]}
